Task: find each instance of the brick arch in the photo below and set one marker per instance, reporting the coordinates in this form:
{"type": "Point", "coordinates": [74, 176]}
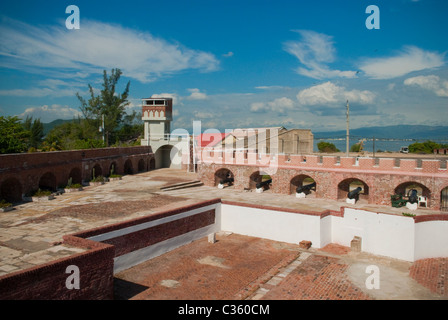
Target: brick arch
{"type": "Point", "coordinates": [256, 177]}
{"type": "Point", "coordinates": [11, 190]}
{"type": "Point", "coordinates": [152, 164]}
{"type": "Point", "coordinates": [444, 199]}
{"type": "Point", "coordinates": [222, 173]}
{"type": "Point", "coordinates": [128, 167]}
{"type": "Point", "coordinates": [141, 165]}
{"type": "Point", "coordinates": [76, 175]}
{"type": "Point", "coordinates": [48, 181]}
{"type": "Point", "coordinates": [403, 189]}
{"type": "Point", "coordinates": [113, 165]}
{"type": "Point", "coordinates": [344, 188]}
{"type": "Point", "coordinates": [98, 170]}
{"type": "Point", "coordinates": [298, 181]}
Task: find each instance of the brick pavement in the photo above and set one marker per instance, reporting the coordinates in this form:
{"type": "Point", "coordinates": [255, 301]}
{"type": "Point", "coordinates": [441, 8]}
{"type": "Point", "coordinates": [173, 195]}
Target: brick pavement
{"type": "Point", "coordinates": [30, 236]}
{"type": "Point", "coordinates": [247, 268]}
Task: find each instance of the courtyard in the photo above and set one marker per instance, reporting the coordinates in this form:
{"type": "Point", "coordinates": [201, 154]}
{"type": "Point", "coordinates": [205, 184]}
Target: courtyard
{"type": "Point", "coordinates": [234, 267]}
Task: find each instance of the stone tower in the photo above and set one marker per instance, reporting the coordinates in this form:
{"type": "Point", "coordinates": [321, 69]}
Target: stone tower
{"type": "Point", "coordinates": [157, 114]}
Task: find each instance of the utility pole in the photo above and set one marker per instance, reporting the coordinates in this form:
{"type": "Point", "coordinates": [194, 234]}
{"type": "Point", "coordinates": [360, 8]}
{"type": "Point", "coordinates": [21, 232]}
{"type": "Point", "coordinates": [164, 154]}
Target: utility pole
{"type": "Point", "coordinates": [348, 130]}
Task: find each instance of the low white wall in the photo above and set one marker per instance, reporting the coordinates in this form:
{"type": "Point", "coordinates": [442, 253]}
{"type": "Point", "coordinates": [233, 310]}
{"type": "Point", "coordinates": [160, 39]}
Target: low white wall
{"type": "Point", "coordinates": [382, 234]}
{"type": "Point", "coordinates": [387, 235]}
{"type": "Point", "coordinates": [271, 224]}
{"type": "Point", "coordinates": [431, 239]}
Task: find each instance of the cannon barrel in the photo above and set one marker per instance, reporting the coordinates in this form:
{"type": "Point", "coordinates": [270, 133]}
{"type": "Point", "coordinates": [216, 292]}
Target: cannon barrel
{"type": "Point", "coordinates": [306, 188]}
{"type": "Point", "coordinates": [354, 193]}
{"type": "Point", "coordinates": [413, 196]}
{"type": "Point", "coordinates": [226, 180]}
{"type": "Point", "coordinates": [264, 183]}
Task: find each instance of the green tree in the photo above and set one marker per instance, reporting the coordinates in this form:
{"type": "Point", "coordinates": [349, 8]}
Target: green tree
{"type": "Point", "coordinates": [355, 148]}
{"type": "Point", "coordinates": [36, 130]}
{"type": "Point", "coordinates": [423, 147]}
{"type": "Point", "coordinates": [77, 134]}
{"type": "Point", "coordinates": [327, 147]}
{"type": "Point", "coordinates": [13, 136]}
{"type": "Point", "coordinates": [131, 129]}
{"type": "Point", "coordinates": [108, 104]}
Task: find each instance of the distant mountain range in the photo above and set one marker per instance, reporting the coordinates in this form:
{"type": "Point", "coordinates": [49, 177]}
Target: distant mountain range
{"type": "Point", "coordinates": [52, 124]}
{"type": "Point", "coordinates": [417, 132]}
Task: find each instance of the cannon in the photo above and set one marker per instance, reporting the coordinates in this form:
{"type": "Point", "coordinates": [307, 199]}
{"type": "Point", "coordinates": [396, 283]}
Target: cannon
{"type": "Point", "coordinates": [412, 196]}
{"type": "Point", "coordinates": [227, 180]}
{"type": "Point", "coordinates": [306, 188]}
{"type": "Point", "coordinates": [264, 183]}
{"type": "Point", "coordinates": [354, 193]}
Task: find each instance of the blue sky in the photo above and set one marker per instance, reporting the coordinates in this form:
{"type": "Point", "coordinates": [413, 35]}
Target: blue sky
{"type": "Point", "coordinates": [233, 64]}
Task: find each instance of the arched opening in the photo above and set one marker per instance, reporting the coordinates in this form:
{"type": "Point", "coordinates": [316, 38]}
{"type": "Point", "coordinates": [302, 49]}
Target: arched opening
{"type": "Point", "coordinates": [224, 175]}
{"type": "Point", "coordinates": [11, 190]}
{"type": "Point", "coordinates": [308, 184]}
{"type": "Point", "coordinates": [444, 199]}
{"type": "Point", "coordinates": [351, 184]}
{"type": "Point", "coordinates": [260, 178]}
{"type": "Point", "coordinates": [152, 164]}
{"type": "Point", "coordinates": [75, 175]}
{"type": "Point", "coordinates": [141, 165]}
{"type": "Point", "coordinates": [405, 189]}
{"type": "Point", "coordinates": [128, 168]}
{"type": "Point", "coordinates": [96, 171]}
{"type": "Point", "coordinates": [48, 182]}
{"type": "Point", "coordinates": [168, 156]}
{"type": "Point", "coordinates": [113, 168]}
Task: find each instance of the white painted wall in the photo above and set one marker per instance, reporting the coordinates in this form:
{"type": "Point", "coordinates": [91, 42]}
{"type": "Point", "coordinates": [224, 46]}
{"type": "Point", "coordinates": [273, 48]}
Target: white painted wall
{"type": "Point", "coordinates": [394, 236]}
{"type": "Point", "coordinates": [268, 224]}
{"type": "Point", "coordinates": [382, 234]}
{"type": "Point", "coordinates": [431, 239]}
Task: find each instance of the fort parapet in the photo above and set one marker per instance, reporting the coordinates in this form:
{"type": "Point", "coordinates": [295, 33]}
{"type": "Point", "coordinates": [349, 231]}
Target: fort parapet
{"type": "Point", "coordinates": [21, 174]}
{"type": "Point", "coordinates": [335, 176]}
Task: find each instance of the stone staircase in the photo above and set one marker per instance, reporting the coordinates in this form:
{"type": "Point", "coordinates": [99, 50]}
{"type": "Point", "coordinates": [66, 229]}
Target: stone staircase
{"type": "Point", "coordinates": [182, 185]}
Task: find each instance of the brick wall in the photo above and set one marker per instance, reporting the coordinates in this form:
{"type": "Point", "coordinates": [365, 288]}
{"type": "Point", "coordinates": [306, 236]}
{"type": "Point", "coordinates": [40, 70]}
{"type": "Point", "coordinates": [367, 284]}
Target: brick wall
{"type": "Point", "coordinates": [48, 281]}
{"type": "Point", "coordinates": [135, 240]}
{"type": "Point", "coordinates": [96, 265]}
{"type": "Point", "coordinates": [23, 173]}
{"type": "Point", "coordinates": [381, 177]}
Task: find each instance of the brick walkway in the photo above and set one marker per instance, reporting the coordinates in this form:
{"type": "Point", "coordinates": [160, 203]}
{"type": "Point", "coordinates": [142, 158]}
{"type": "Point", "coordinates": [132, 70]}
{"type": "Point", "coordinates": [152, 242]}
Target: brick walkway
{"type": "Point", "coordinates": [432, 273]}
{"type": "Point", "coordinates": [236, 267]}
{"type": "Point", "coordinates": [248, 268]}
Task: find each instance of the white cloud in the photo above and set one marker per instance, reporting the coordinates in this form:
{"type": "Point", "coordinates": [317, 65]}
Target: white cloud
{"type": "Point", "coordinates": [196, 94]}
{"type": "Point", "coordinates": [315, 51]}
{"type": "Point", "coordinates": [328, 93]}
{"type": "Point", "coordinates": [174, 96]}
{"type": "Point", "coordinates": [49, 113]}
{"type": "Point", "coordinates": [408, 60]}
{"type": "Point", "coordinates": [228, 54]}
{"type": "Point", "coordinates": [280, 105]}
{"type": "Point", "coordinates": [432, 83]}
{"type": "Point", "coordinates": [48, 87]}
{"type": "Point", "coordinates": [95, 47]}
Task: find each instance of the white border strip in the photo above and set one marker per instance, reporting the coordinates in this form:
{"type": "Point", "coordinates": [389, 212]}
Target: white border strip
{"type": "Point", "coordinates": [136, 257]}
{"type": "Point", "coordinates": [150, 224]}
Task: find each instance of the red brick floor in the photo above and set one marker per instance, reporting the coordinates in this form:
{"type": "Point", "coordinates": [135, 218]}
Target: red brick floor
{"type": "Point", "coordinates": [231, 268]}
{"type": "Point", "coordinates": [317, 278]}
{"type": "Point", "coordinates": [238, 267]}
{"type": "Point", "coordinates": [432, 273]}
